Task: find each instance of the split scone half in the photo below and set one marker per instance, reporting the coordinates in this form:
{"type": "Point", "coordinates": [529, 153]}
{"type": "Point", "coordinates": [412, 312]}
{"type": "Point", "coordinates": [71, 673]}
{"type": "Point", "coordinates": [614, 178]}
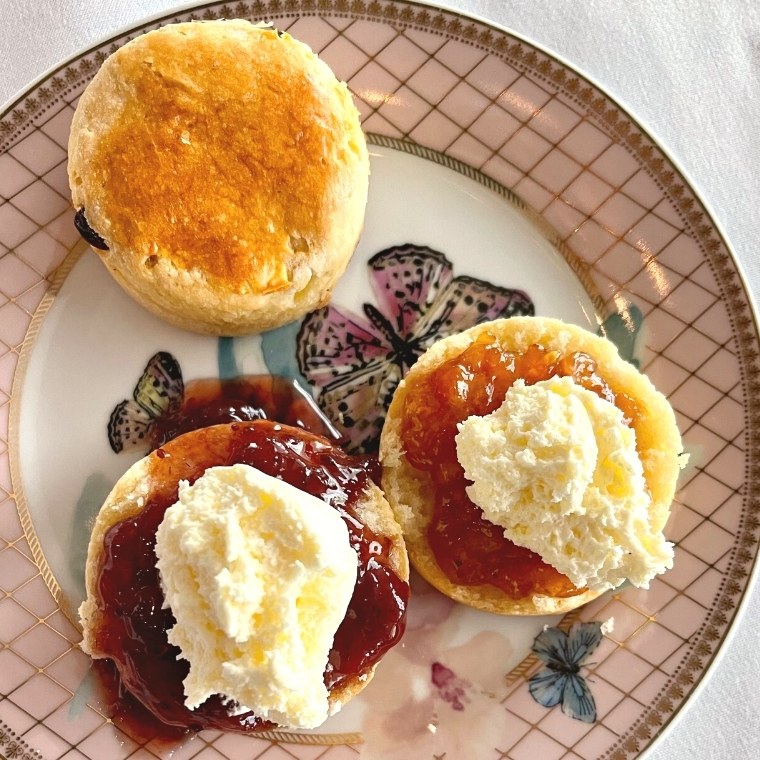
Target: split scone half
{"type": "Point", "coordinates": [519, 465]}
{"type": "Point", "coordinates": [237, 630]}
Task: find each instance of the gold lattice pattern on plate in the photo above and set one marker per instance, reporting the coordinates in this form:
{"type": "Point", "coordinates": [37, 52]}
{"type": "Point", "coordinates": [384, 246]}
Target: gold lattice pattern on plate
{"type": "Point", "coordinates": [647, 218]}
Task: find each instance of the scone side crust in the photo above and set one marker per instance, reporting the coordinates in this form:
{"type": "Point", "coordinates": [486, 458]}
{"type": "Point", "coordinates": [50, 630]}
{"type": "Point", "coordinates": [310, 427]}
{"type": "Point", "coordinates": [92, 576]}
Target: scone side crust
{"type": "Point", "coordinates": [376, 513]}
{"type": "Point", "coordinates": [126, 499]}
{"type": "Point", "coordinates": [658, 442]}
{"type": "Point", "coordinates": [214, 312]}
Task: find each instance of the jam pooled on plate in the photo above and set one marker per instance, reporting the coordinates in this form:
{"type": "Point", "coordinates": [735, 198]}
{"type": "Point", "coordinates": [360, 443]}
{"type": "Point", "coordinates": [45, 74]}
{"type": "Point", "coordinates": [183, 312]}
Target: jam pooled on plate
{"type": "Point", "coordinates": [250, 397]}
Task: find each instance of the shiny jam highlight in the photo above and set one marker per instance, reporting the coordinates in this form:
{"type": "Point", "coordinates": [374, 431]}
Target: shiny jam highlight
{"type": "Point", "coordinates": [470, 550]}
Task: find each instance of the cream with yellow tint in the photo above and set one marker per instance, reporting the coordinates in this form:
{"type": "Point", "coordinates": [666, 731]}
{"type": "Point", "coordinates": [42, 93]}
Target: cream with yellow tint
{"type": "Point", "coordinates": [258, 575]}
{"type": "Point", "coordinates": [557, 467]}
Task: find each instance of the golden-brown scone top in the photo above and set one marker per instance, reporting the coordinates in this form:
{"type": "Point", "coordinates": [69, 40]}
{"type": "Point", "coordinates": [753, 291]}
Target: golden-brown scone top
{"type": "Point", "coordinates": [408, 490]}
{"type": "Point", "coordinates": [225, 167]}
{"type": "Point", "coordinates": [156, 474]}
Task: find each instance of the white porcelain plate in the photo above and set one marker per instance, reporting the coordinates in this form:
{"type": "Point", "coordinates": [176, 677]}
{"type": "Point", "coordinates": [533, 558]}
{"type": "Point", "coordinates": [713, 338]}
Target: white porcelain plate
{"type": "Point", "coordinates": [517, 187]}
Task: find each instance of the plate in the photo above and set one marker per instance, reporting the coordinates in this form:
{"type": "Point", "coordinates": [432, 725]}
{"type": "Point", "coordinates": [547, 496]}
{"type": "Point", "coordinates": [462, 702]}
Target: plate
{"type": "Point", "coordinates": [519, 183]}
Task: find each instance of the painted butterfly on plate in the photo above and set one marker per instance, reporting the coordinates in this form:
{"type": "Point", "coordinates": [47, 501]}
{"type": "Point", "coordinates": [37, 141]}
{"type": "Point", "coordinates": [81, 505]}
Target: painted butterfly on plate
{"type": "Point", "coordinates": [159, 386]}
{"type": "Point", "coordinates": [354, 363]}
{"type": "Point", "coordinates": [623, 328]}
{"type": "Point", "coordinates": [560, 681]}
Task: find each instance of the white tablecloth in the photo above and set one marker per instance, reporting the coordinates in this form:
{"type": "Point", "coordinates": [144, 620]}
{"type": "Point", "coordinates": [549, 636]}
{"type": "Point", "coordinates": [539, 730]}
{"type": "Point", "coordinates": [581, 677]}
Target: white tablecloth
{"type": "Point", "coordinates": [689, 70]}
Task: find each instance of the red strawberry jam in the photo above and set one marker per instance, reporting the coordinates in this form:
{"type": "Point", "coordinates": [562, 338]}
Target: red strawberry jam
{"type": "Point", "coordinates": [133, 633]}
{"type": "Point", "coordinates": [251, 397]}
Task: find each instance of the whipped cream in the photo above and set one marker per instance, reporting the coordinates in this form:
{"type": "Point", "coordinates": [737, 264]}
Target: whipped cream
{"type": "Point", "coordinates": [558, 469]}
{"type": "Point", "coordinates": [258, 575]}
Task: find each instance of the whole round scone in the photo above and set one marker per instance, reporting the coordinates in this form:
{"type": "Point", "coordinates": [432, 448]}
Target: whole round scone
{"type": "Point", "coordinates": [154, 480]}
{"type": "Point", "coordinates": [410, 491]}
{"type": "Point", "coordinates": [223, 171]}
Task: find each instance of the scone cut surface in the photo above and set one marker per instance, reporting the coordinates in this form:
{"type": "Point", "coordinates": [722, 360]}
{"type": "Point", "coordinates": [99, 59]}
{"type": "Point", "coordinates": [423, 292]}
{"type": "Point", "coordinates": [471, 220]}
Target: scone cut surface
{"type": "Point", "coordinates": [411, 491]}
{"type": "Point", "coordinates": [225, 168]}
{"type": "Point", "coordinates": [157, 479]}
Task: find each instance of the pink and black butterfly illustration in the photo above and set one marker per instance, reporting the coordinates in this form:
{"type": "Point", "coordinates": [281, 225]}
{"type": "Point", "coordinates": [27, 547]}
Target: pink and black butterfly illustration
{"type": "Point", "coordinates": [354, 363]}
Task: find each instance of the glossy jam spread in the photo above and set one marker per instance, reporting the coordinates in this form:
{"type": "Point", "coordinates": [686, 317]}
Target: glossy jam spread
{"type": "Point", "coordinates": [251, 397]}
{"type": "Point", "coordinates": [469, 549]}
{"type": "Point", "coordinates": [134, 633]}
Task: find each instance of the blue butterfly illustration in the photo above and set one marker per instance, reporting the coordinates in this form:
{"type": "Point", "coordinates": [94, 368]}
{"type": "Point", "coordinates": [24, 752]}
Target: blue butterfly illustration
{"type": "Point", "coordinates": [354, 362]}
{"type": "Point", "coordinates": [623, 329]}
{"type": "Point", "coordinates": [560, 681]}
{"type": "Point", "coordinates": [159, 386]}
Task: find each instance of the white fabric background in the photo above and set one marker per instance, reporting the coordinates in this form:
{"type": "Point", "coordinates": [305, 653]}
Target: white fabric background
{"type": "Point", "coordinates": [689, 70]}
